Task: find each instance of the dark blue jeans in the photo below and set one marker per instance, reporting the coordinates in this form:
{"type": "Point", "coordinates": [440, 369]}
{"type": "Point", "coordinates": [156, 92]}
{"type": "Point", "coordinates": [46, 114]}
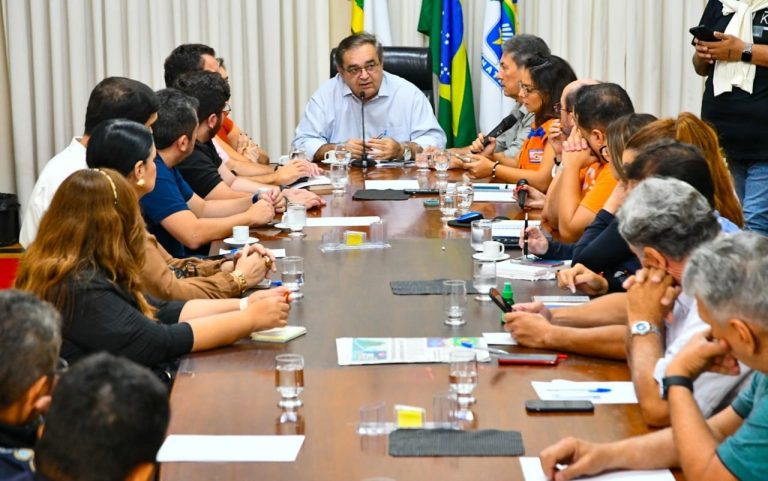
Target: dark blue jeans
{"type": "Point", "coordinates": [751, 181]}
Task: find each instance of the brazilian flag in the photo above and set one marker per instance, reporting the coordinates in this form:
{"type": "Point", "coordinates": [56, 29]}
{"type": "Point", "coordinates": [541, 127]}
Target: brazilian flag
{"type": "Point", "coordinates": [443, 22]}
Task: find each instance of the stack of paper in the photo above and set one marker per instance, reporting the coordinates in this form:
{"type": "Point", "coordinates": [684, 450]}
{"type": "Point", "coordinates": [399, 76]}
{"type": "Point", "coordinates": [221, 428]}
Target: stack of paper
{"type": "Point", "coordinates": [515, 270]}
{"type": "Point", "coordinates": [391, 184]}
{"type": "Point", "coordinates": [532, 472]}
{"type": "Point", "coordinates": [229, 449]}
{"type": "Point", "coordinates": [494, 196]}
{"type": "Point", "coordinates": [397, 350]}
{"type": "Point", "coordinates": [279, 334]}
{"type": "Point", "coordinates": [597, 392]}
{"type": "Point", "coordinates": [313, 181]}
{"type": "Point", "coordinates": [510, 228]}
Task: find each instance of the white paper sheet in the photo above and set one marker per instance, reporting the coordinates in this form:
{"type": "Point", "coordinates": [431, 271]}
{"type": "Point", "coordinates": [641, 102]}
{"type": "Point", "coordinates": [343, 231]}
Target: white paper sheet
{"type": "Point", "coordinates": [511, 228]}
{"type": "Point", "coordinates": [532, 472]}
{"type": "Point", "coordinates": [214, 448]}
{"type": "Point", "coordinates": [352, 351]}
{"type": "Point", "coordinates": [391, 184]}
{"type": "Point", "coordinates": [499, 339]}
{"type": "Point", "coordinates": [514, 270]}
{"type": "Point", "coordinates": [564, 390]}
{"type": "Point", "coordinates": [494, 196]}
{"type": "Point", "coordinates": [341, 221]}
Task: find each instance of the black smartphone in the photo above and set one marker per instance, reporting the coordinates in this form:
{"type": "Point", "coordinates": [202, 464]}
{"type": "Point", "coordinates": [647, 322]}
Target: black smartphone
{"type": "Point", "coordinates": [499, 301]}
{"type": "Point", "coordinates": [703, 33]}
{"type": "Point", "coordinates": [539, 406]}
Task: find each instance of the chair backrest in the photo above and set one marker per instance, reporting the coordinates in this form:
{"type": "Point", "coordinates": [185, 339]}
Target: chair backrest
{"type": "Point", "coordinates": [412, 63]}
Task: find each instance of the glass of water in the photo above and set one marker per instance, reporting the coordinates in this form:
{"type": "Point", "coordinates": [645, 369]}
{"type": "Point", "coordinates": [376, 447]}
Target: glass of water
{"type": "Point", "coordinates": [465, 194]}
{"type": "Point", "coordinates": [483, 278]}
{"type": "Point", "coordinates": [422, 161]}
{"type": "Point", "coordinates": [454, 302]}
{"type": "Point", "coordinates": [448, 203]}
{"type": "Point", "coordinates": [339, 176]}
{"type": "Point", "coordinates": [482, 230]}
{"type": "Point", "coordinates": [293, 275]}
{"type": "Point", "coordinates": [343, 156]}
{"type": "Point", "coordinates": [462, 375]}
{"type": "Point", "coordinates": [289, 380]}
{"type": "Point", "coordinates": [296, 219]}
{"type": "Point", "coordinates": [442, 161]}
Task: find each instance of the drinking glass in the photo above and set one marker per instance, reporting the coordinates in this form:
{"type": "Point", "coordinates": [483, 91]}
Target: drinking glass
{"type": "Point", "coordinates": [293, 275]}
{"type": "Point", "coordinates": [289, 379]}
{"type": "Point", "coordinates": [442, 161]}
{"type": "Point", "coordinates": [483, 278]}
{"type": "Point", "coordinates": [343, 156]}
{"type": "Point", "coordinates": [296, 215]}
{"type": "Point", "coordinates": [465, 194]}
{"type": "Point", "coordinates": [371, 419]}
{"type": "Point", "coordinates": [448, 204]}
{"type": "Point", "coordinates": [422, 161]}
{"type": "Point", "coordinates": [454, 302]}
{"type": "Point", "coordinates": [444, 409]}
{"type": "Point", "coordinates": [297, 153]}
{"type": "Point", "coordinates": [482, 230]}
{"type": "Point", "coordinates": [339, 176]}
{"type": "Point", "coordinates": [462, 375]}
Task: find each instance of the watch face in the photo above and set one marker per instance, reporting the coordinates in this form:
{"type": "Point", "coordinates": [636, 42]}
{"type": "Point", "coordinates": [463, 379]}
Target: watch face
{"type": "Point", "coordinates": [642, 327]}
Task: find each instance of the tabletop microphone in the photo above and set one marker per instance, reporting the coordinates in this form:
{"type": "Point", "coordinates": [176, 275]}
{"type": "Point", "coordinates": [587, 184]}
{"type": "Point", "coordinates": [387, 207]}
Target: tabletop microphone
{"type": "Point", "coordinates": [361, 95]}
{"type": "Point", "coordinates": [522, 194]}
{"type": "Point", "coordinates": [505, 124]}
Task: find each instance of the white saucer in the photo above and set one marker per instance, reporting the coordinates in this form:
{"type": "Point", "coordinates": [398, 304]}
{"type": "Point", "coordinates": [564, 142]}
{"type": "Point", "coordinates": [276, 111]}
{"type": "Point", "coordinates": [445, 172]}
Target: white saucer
{"type": "Point", "coordinates": [231, 241]}
{"type": "Point", "coordinates": [479, 256]}
{"type": "Point", "coordinates": [281, 226]}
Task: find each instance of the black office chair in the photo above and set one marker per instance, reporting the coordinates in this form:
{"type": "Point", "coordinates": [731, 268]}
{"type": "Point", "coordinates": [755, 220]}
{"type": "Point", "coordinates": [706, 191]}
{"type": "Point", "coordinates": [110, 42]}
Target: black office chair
{"type": "Point", "coordinates": [412, 63]}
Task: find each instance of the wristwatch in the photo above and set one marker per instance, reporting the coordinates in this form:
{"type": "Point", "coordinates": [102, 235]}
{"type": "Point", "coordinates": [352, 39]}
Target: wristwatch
{"type": "Point", "coordinates": [643, 328]}
{"type": "Point", "coordinates": [406, 151]}
{"type": "Point", "coordinates": [746, 54]}
{"type": "Point", "coordinates": [670, 381]}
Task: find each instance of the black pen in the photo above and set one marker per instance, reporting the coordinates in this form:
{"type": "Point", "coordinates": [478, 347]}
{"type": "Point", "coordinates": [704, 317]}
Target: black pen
{"type": "Point", "coordinates": [525, 236]}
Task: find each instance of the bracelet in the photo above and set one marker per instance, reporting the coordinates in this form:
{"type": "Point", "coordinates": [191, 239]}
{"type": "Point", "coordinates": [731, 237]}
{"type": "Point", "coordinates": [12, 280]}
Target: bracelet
{"type": "Point", "coordinates": [243, 303]}
{"type": "Point", "coordinates": [240, 280]}
{"type": "Point", "coordinates": [670, 381]}
{"type": "Point", "coordinates": [493, 171]}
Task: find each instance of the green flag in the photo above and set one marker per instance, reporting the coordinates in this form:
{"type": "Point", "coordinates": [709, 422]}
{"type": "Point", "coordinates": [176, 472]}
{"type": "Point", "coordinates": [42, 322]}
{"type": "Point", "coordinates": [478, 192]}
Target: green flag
{"type": "Point", "coordinates": [443, 22]}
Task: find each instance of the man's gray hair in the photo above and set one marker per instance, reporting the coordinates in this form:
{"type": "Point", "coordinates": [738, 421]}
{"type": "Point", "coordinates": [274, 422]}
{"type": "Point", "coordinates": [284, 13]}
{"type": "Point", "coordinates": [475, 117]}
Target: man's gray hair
{"type": "Point", "coordinates": [30, 339]}
{"type": "Point", "coordinates": [667, 215]}
{"type": "Point", "coordinates": [527, 50]}
{"type": "Point", "coordinates": [730, 275]}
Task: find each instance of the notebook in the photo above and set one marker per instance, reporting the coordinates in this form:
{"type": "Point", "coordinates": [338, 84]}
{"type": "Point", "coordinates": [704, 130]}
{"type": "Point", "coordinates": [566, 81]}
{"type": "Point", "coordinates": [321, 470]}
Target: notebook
{"type": "Point", "coordinates": [279, 334]}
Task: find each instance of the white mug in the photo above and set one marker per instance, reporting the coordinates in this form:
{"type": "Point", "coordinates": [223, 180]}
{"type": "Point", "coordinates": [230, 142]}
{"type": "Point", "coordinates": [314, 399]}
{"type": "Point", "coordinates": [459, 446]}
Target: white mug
{"type": "Point", "coordinates": [241, 233]}
{"type": "Point", "coordinates": [493, 249]}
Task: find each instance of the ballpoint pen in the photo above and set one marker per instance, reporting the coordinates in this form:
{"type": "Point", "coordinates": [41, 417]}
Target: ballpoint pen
{"type": "Point", "coordinates": [491, 350]}
{"type": "Point", "coordinates": [492, 187]}
{"type": "Point", "coordinates": [525, 236]}
{"type": "Point", "coordinates": [593, 390]}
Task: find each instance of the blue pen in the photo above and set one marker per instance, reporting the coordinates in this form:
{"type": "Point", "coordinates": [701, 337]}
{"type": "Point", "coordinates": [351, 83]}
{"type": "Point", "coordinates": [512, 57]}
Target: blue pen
{"type": "Point", "coordinates": [492, 187]}
{"type": "Point", "coordinates": [595, 390]}
{"type": "Point", "coordinates": [490, 350]}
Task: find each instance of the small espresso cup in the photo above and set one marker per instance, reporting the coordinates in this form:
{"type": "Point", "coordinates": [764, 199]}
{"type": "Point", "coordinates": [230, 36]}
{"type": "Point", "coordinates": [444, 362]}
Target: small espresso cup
{"type": "Point", "coordinates": [240, 233]}
{"type": "Point", "coordinates": [493, 249]}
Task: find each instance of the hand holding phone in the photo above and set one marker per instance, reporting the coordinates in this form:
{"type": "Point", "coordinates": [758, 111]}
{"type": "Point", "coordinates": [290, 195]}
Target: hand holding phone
{"type": "Point", "coordinates": [704, 33]}
{"type": "Point", "coordinates": [499, 301]}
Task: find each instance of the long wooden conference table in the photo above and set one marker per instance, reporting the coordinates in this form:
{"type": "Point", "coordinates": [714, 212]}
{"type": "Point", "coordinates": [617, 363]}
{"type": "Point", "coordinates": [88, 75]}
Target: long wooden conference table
{"type": "Point", "coordinates": [347, 294]}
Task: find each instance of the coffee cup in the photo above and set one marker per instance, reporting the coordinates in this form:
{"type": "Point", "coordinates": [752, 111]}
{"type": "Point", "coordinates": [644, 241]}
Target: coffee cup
{"type": "Point", "coordinates": [493, 249]}
{"type": "Point", "coordinates": [241, 233]}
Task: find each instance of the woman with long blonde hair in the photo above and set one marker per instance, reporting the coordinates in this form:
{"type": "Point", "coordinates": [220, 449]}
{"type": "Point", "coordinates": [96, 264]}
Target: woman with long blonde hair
{"type": "Point", "coordinates": [86, 261]}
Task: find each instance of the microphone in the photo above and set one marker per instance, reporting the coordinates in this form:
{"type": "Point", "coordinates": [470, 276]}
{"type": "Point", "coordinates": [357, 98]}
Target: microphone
{"type": "Point", "coordinates": [505, 124]}
{"type": "Point", "coordinates": [361, 95]}
{"type": "Point", "coordinates": [522, 195]}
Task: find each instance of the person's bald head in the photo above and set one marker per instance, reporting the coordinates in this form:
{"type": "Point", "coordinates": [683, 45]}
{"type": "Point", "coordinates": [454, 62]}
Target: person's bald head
{"type": "Point", "coordinates": [567, 99]}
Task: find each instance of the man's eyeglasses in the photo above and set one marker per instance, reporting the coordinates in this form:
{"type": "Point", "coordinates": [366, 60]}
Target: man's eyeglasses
{"type": "Point", "coordinates": [227, 108]}
{"type": "Point", "coordinates": [370, 67]}
{"type": "Point", "coordinates": [560, 108]}
{"type": "Point", "coordinates": [525, 88]}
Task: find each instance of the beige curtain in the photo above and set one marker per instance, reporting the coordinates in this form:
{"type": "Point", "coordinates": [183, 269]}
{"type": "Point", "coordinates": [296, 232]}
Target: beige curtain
{"type": "Point", "coordinates": [276, 51]}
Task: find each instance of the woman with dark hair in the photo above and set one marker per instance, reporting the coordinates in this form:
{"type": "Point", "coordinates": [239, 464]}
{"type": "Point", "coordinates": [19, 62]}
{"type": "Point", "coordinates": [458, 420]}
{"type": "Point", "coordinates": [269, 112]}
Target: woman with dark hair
{"type": "Point", "coordinates": [128, 148]}
{"type": "Point", "coordinates": [541, 86]}
{"type": "Point", "coordinates": [87, 260]}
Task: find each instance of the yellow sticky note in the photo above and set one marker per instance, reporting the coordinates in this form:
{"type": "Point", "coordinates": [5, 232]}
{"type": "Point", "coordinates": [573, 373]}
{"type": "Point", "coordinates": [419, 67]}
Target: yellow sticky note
{"type": "Point", "coordinates": [354, 238]}
{"type": "Point", "coordinates": [409, 416]}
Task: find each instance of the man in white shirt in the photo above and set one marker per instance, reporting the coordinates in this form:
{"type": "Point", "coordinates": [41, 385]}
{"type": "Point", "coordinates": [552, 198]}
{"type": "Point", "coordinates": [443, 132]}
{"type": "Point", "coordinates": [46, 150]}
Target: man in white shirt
{"type": "Point", "coordinates": [112, 98]}
{"type": "Point", "coordinates": [398, 116]}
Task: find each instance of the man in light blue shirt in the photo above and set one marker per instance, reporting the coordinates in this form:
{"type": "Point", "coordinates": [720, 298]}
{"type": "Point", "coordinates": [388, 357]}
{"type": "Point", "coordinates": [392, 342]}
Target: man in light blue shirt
{"type": "Point", "coordinates": [398, 116]}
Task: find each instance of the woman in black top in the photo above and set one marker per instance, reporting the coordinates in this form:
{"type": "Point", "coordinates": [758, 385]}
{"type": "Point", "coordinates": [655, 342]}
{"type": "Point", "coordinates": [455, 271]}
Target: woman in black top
{"type": "Point", "coordinates": [86, 261]}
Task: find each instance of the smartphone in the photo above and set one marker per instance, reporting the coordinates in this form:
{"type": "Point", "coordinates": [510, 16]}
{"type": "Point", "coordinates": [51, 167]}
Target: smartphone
{"type": "Point", "coordinates": [539, 406]}
{"type": "Point", "coordinates": [499, 301]}
{"type": "Point", "coordinates": [529, 359]}
{"type": "Point", "coordinates": [703, 33]}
